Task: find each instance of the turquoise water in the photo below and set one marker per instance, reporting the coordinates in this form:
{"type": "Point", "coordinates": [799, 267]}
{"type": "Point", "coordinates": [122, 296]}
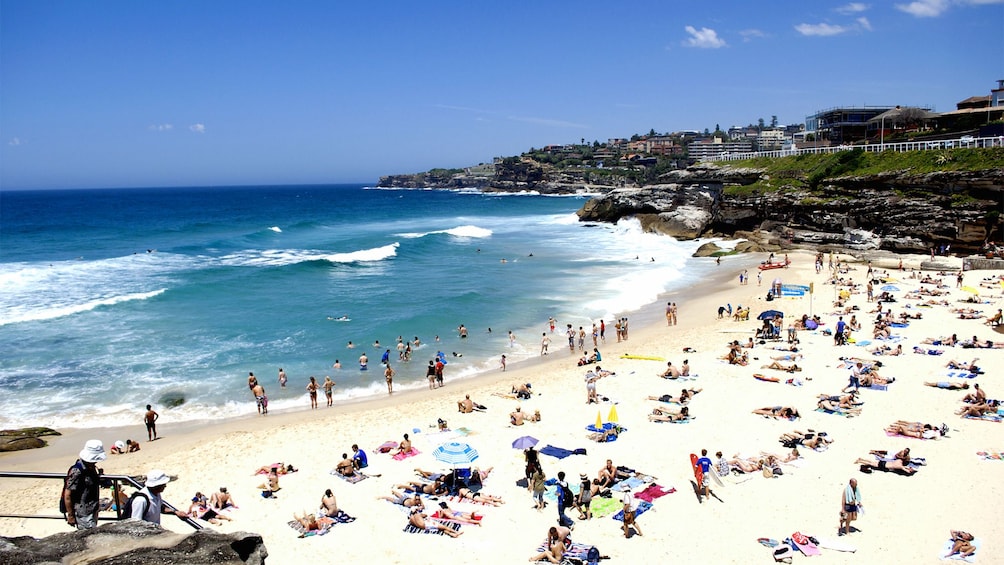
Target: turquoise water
{"type": "Point", "coordinates": [112, 299]}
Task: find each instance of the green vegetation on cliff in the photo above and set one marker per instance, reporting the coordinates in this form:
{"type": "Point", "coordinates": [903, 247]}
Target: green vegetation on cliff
{"type": "Point", "coordinates": [809, 171]}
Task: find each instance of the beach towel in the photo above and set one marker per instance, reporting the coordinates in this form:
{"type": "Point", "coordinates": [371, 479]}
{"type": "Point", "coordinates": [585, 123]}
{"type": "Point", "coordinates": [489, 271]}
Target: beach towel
{"type": "Point", "coordinates": [837, 412]}
{"type": "Point", "coordinates": [653, 492]}
{"type": "Point", "coordinates": [629, 483]}
{"type": "Point", "coordinates": [804, 544]}
{"type": "Point", "coordinates": [986, 418]}
{"type": "Point", "coordinates": [962, 375]}
{"type": "Point", "coordinates": [643, 506]}
{"type": "Point", "coordinates": [561, 452]}
{"type": "Point", "coordinates": [683, 421]}
{"type": "Point", "coordinates": [947, 547]}
{"type": "Point", "coordinates": [878, 387]}
{"type": "Point", "coordinates": [891, 434]}
{"type": "Point", "coordinates": [444, 516]}
{"type": "Point", "coordinates": [606, 426]}
{"type": "Point", "coordinates": [601, 507]}
{"type": "Point", "coordinates": [355, 478]}
{"type": "Point", "coordinates": [575, 552]}
{"type": "Point", "coordinates": [413, 529]}
{"type": "Point", "coordinates": [406, 454]}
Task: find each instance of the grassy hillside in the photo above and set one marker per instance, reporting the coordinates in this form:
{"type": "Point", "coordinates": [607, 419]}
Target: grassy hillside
{"type": "Point", "coordinates": [809, 171]}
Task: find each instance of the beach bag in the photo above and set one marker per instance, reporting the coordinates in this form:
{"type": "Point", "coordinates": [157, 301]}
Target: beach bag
{"type": "Point", "coordinates": [566, 496]}
{"type": "Point", "coordinates": [593, 556]}
{"type": "Point", "coordinates": [783, 554]}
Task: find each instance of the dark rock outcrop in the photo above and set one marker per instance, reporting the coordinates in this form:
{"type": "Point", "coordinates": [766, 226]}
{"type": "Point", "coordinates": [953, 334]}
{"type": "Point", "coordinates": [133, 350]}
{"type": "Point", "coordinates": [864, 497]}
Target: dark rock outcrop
{"type": "Point", "coordinates": [134, 541]}
{"type": "Point", "coordinates": [24, 438]}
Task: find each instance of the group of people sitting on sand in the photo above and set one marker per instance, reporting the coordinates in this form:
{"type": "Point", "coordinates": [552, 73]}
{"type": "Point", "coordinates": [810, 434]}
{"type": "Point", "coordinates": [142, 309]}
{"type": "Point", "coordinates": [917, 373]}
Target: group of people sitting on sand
{"type": "Point", "coordinates": [672, 372]}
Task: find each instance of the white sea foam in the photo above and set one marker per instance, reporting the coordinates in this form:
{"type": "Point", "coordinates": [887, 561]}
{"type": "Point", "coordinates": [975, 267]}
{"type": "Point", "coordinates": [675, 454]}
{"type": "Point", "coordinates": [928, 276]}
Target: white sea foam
{"type": "Point", "coordinates": [14, 316]}
{"type": "Point", "coordinates": [283, 257]}
{"type": "Point", "coordinates": [467, 231]}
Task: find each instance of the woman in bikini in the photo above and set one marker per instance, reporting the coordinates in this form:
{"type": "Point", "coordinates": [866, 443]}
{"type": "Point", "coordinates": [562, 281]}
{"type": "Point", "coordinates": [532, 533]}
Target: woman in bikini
{"type": "Point", "coordinates": [554, 548]}
{"type": "Point", "coordinates": [469, 494]}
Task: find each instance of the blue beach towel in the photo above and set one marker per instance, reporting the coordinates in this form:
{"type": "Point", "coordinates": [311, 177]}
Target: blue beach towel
{"type": "Point", "coordinates": [642, 507]}
{"type": "Point", "coordinates": [561, 452]}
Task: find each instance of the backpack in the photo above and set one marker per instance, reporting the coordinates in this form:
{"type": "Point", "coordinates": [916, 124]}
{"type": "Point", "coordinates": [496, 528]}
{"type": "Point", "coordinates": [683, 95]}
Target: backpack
{"type": "Point", "coordinates": [127, 510]}
{"type": "Point", "coordinates": [564, 495]}
{"type": "Point", "coordinates": [62, 502]}
{"type": "Point", "coordinates": [593, 556]}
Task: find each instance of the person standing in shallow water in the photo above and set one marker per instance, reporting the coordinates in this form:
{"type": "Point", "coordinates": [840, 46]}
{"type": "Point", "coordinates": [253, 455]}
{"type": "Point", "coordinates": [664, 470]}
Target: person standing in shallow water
{"type": "Point", "coordinates": [282, 378]}
{"type": "Point", "coordinates": [312, 387]}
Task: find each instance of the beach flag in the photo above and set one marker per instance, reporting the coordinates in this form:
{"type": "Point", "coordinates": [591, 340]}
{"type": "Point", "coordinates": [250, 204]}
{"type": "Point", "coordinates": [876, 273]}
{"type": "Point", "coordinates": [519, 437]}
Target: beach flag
{"type": "Point", "coordinates": [612, 417]}
{"type": "Point", "coordinates": [599, 420]}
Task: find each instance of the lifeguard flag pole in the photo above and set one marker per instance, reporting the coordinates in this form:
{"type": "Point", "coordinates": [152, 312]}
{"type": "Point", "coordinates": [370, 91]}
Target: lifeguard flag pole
{"type": "Point", "coordinates": [612, 417]}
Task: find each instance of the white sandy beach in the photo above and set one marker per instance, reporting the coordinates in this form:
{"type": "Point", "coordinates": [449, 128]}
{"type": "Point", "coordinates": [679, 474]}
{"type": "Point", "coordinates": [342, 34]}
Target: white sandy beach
{"type": "Point", "coordinates": [906, 519]}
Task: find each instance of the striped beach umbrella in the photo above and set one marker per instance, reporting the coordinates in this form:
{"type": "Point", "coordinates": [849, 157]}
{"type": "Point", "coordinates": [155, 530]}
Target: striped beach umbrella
{"type": "Point", "coordinates": [455, 453]}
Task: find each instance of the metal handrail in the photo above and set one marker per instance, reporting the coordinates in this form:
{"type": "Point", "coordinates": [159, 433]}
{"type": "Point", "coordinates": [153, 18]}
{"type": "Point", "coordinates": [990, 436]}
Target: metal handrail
{"type": "Point", "coordinates": [116, 487]}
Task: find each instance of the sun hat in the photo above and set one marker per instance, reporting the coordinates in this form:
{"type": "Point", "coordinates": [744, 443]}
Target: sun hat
{"type": "Point", "coordinates": [156, 478]}
{"type": "Point", "coordinates": [93, 451]}
{"type": "Point", "coordinates": [120, 445]}
{"type": "Point", "coordinates": [583, 476]}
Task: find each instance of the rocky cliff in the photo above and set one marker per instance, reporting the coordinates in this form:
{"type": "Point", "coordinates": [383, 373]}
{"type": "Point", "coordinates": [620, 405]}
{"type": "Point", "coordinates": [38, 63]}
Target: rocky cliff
{"type": "Point", "coordinates": [134, 541]}
{"type": "Point", "coordinates": [898, 210]}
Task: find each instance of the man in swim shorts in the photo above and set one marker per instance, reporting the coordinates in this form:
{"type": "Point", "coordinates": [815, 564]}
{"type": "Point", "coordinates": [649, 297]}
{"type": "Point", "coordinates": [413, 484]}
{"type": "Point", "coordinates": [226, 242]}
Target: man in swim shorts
{"type": "Point", "coordinates": [150, 419]}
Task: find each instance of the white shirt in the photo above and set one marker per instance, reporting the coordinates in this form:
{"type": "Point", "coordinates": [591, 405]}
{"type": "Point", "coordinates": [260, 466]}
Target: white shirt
{"type": "Point", "coordinates": [149, 512]}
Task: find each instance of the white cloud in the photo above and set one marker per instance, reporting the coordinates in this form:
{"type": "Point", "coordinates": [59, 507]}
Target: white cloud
{"type": "Point", "coordinates": [852, 8]}
{"type": "Point", "coordinates": [161, 127]}
{"type": "Point", "coordinates": [982, 2]}
{"type": "Point", "coordinates": [197, 128]}
{"type": "Point", "coordinates": [820, 29]}
{"type": "Point", "coordinates": [864, 23]}
{"type": "Point", "coordinates": [15, 141]}
{"type": "Point", "coordinates": [924, 8]}
{"type": "Point", "coordinates": [705, 38]}
{"type": "Point", "coordinates": [751, 34]}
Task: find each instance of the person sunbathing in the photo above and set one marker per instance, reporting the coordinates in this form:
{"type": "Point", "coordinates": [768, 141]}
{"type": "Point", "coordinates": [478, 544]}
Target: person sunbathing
{"type": "Point", "coordinates": [273, 482]}
{"type": "Point", "coordinates": [917, 430]}
{"type": "Point", "coordinates": [782, 367]}
{"type": "Point", "coordinates": [786, 412]}
{"type": "Point", "coordinates": [521, 390]}
{"type": "Point", "coordinates": [962, 544]}
{"type": "Point", "coordinates": [671, 372]}
{"type": "Point", "coordinates": [554, 548]}
{"type": "Point", "coordinates": [746, 464]}
{"type": "Point", "coordinates": [812, 440]}
{"type": "Point", "coordinates": [447, 513]}
{"type": "Point", "coordinates": [898, 463]}
{"type": "Point", "coordinates": [869, 378]}
{"type": "Point", "coordinates": [402, 499]}
{"type": "Point", "coordinates": [605, 435]}
{"type": "Point", "coordinates": [435, 487]}
{"type": "Point", "coordinates": [791, 456]}
{"type": "Point", "coordinates": [345, 467]}
{"type": "Point", "coordinates": [950, 340]}
{"type": "Point", "coordinates": [418, 519]}
{"type": "Point", "coordinates": [685, 396]}
{"type": "Point", "coordinates": [978, 396]}
{"type": "Point", "coordinates": [833, 404]}
{"type": "Point", "coordinates": [279, 468]}
{"type": "Point", "coordinates": [481, 497]}
{"type": "Point", "coordinates": [947, 385]}
{"type": "Point", "coordinates": [976, 410]}
{"type": "Point", "coordinates": [309, 522]}
{"type": "Point", "coordinates": [329, 504]}
{"type": "Point", "coordinates": [222, 499]}
{"type": "Point", "coordinates": [660, 415]}
{"type": "Point", "coordinates": [404, 447]}
{"type": "Point", "coordinates": [608, 474]}
{"type": "Point", "coordinates": [201, 510]}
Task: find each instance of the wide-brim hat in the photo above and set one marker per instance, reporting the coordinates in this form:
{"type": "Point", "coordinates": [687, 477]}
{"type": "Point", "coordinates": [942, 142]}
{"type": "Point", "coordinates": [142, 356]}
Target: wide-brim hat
{"type": "Point", "coordinates": [156, 478]}
{"type": "Point", "coordinates": [93, 451]}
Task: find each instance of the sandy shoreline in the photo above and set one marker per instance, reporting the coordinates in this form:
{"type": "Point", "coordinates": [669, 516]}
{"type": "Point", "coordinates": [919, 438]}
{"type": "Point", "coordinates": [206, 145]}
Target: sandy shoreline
{"type": "Point", "coordinates": [907, 518]}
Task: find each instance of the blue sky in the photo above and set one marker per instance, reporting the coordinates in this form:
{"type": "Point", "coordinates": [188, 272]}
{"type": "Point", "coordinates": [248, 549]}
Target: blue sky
{"type": "Point", "coordinates": [125, 93]}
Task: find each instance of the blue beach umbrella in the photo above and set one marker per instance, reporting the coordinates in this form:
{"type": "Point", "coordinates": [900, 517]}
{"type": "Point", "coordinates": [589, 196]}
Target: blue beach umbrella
{"type": "Point", "coordinates": [455, 453]}
{"type": "Point", "coordinates": [889, 288]}
{"type": "Point", "coordinates": [524, 442]}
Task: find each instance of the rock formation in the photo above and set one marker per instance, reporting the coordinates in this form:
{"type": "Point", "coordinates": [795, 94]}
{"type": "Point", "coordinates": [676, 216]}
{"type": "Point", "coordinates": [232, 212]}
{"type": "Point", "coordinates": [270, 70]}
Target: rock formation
{"type": "Point", "coordinates": [24, 438]}
{"type": "Point", "coordinates": [131, 542]}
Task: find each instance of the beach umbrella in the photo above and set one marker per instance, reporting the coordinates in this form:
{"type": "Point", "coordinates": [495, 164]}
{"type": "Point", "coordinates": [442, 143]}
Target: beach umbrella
{"type": "Point", "coordinates": [970, 290]}
{"type": "Point", "coordinates": [455, 453]}
{"type": "Point", "coordinates": [524, 442]}
{"type": "Point", "coordinates": [599, 420]}
{"type": "Point", "coordinates": [612, 417]}
{"type": "Point", "coordinates": [769, 314]}
{"type": "Point", "coordinates": [889, 288]}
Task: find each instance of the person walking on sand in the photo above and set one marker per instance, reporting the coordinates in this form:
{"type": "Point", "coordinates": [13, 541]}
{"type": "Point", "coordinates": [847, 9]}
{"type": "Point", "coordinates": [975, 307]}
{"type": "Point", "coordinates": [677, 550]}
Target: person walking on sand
{"type": "Point", "coordinates": [81, 493]}
{"type": "Point", "coordinates": [630, 514]}
{"type": "Point", "coordinates": [502, 363]}
{"type": "Point", "coordinates": [328, 385]}
{"type": "Point", "coordinates": [150, 419]}
{"type": "Point", "coordinates": [705, 462]}
{"type": "Point", "coordinates": [669, 308]}
{"type": "Point", "coordinates": [545, 341]}
{"type": "Point", "coordinates": [312, 390]}
{"type": "Point", "coordinates": [565, 500]}
{"type": "Point", "coordinates": [388, 375]}
{"type": "Point", "coordinates": [850, 505]}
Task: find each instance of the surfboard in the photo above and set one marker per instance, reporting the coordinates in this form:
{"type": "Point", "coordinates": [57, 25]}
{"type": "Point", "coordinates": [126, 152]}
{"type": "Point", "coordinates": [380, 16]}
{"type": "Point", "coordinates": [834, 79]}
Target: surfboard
{"type": "Point", "coordinates": [643, 357]}
{"type": "Point", "coordinates": [698, 474]}
{"type": "Point", "coordinates": [836, 545]}
{"type": "Point", "coordinates": [716, 478]}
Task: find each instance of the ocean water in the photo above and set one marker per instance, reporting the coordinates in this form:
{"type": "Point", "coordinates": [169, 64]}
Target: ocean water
{"type": "Point", "coordinates": [113, 299]}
